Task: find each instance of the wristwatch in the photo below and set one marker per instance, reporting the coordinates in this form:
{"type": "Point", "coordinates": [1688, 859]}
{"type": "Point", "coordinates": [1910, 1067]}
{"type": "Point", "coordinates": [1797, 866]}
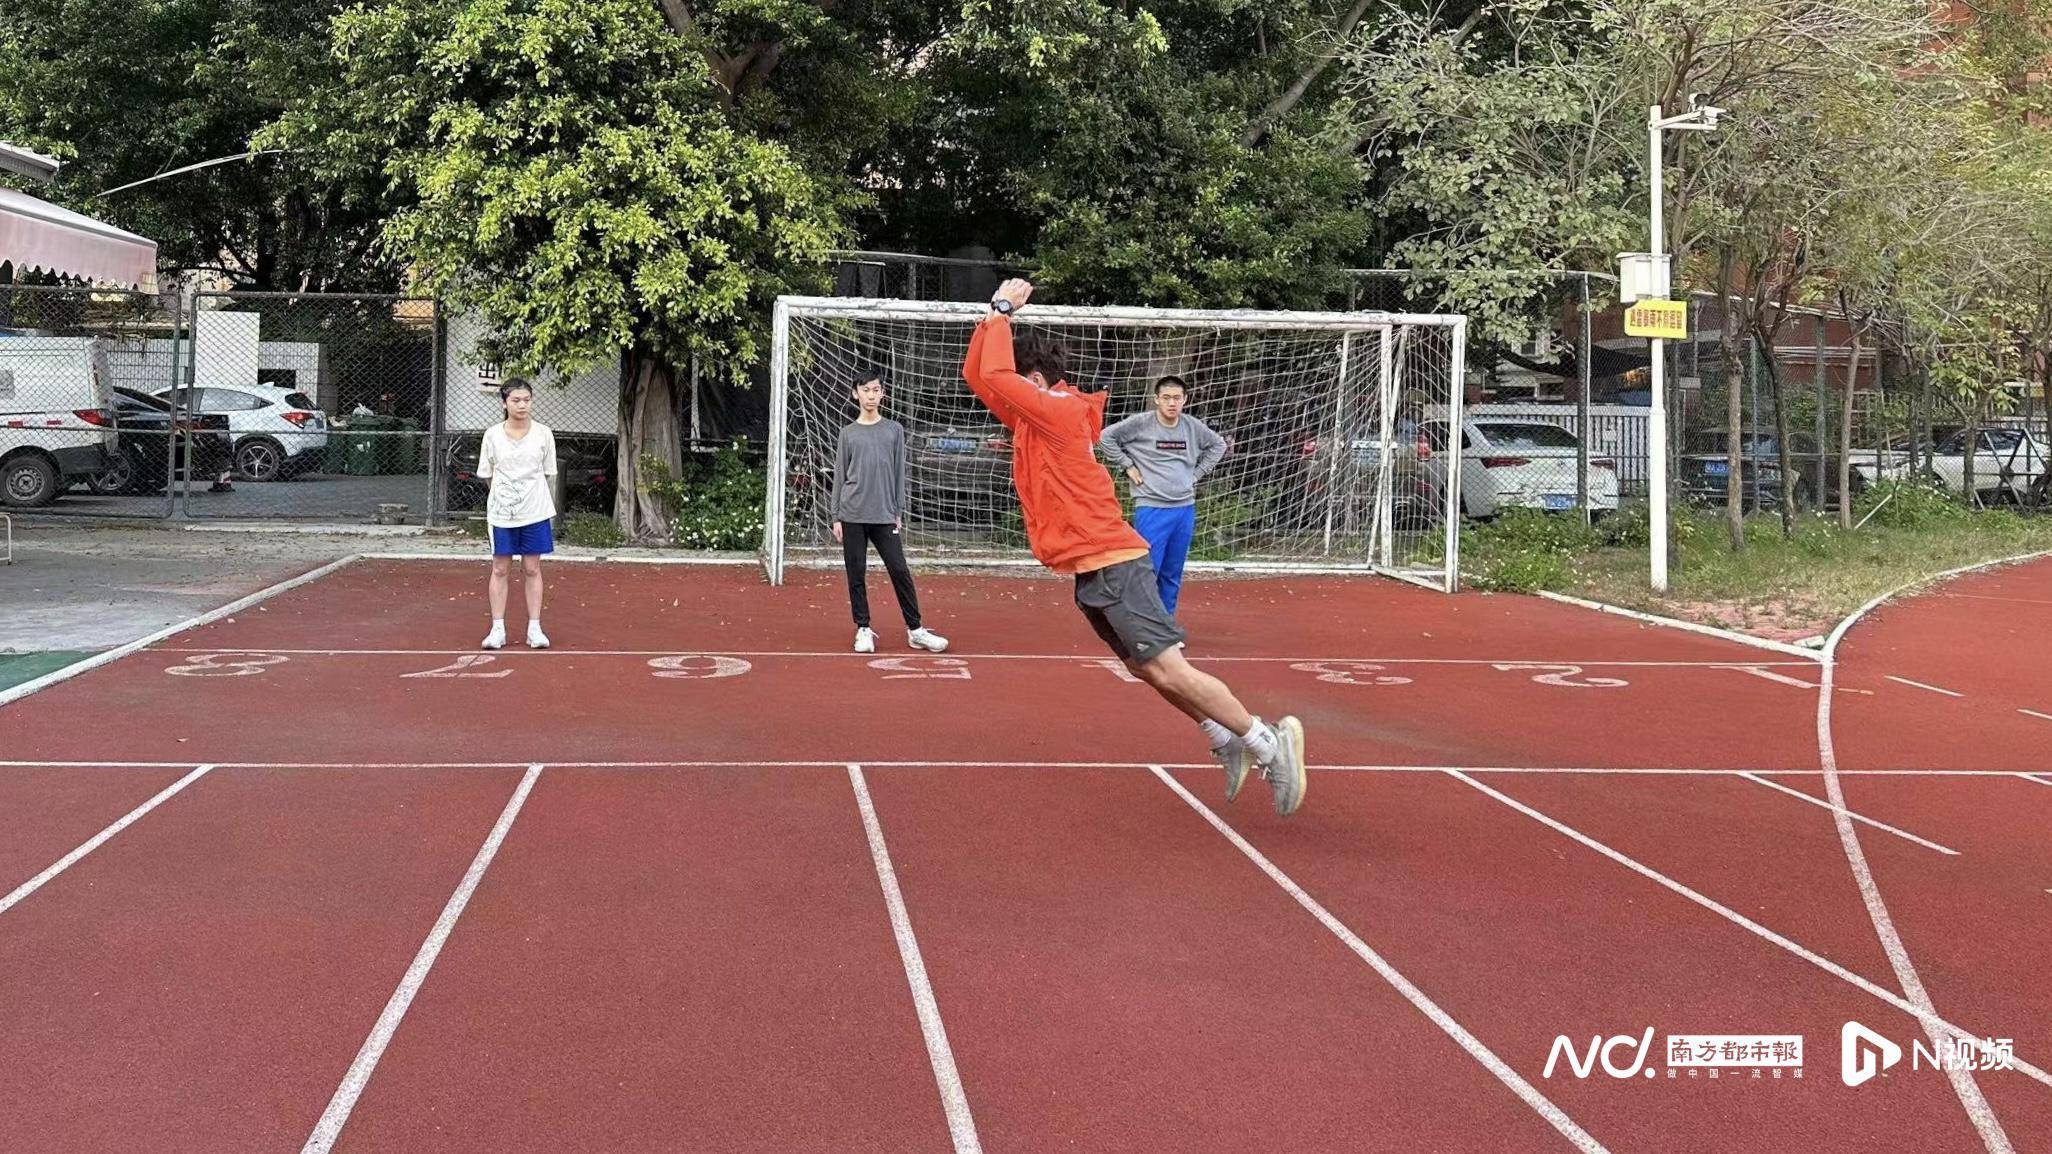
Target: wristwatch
{"type": "Point", "coordinates": [1001, 307]}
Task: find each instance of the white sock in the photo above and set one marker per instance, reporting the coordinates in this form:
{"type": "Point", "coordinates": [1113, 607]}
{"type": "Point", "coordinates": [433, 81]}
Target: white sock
{"type": "Point", "coordinates": [1218, 735]}
{"type": "Point", "coordinates": [498, 624]}
{"type": "Point", "coordinates": [1261, 741]}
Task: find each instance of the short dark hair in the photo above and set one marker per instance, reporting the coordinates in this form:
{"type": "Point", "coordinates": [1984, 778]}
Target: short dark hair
{"type": "Point", "coordinates": [1037, 352]}
{"type": "Point", "coordinates": [512, 383]}
{"type": "Point", "coordinates": [1170, 381]}
{"type": "Point", "coordinates": [867, 375]}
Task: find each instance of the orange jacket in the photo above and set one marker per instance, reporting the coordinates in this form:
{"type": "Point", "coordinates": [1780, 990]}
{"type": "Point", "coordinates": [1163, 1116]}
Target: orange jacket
{"type": "Point", "coordinates": [1073, 517]}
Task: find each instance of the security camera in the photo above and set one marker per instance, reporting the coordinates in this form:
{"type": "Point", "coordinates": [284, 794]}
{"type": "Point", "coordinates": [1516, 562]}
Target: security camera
{"type": "Point", "coordinates": [1708, 112]}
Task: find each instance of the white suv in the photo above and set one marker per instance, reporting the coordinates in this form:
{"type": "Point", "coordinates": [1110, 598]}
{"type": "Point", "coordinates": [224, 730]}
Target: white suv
{"type": "Point", "coordinates": [278, 432]}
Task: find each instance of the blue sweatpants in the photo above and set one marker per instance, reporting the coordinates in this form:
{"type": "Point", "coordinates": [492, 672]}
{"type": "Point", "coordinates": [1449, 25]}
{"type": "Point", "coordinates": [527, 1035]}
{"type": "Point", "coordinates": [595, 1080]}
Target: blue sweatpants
{"type": "Point", "coordinates": [1168, 533]}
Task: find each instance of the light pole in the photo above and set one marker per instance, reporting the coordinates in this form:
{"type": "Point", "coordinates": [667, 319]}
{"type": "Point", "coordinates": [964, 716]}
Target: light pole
{"type": "Point", "coordinates": [1699, 118]}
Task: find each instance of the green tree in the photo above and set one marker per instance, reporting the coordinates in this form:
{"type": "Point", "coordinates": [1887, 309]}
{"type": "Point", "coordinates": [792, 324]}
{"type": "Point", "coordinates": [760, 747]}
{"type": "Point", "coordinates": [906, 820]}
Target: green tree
{"type": "Point", "coordinates": [569, 170]}
{"type": "Point", "coordinates": [126, 91]}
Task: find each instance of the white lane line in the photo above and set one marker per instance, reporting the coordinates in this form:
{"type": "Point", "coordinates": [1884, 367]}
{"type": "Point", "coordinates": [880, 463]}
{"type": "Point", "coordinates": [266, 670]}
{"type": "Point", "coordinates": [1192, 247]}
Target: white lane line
{"type": "Point", "coordinates": [1861, 818]}
{"type": "Point", "coordinates": [1553, 1114]}
{"type": "Point", "coordinates": [1921, 685]}
{"type": "Point", "coordinates": [876, 763]}
{"type": "Point", "coordinates": [1929, 1018]}
{"type": "Point", "coordinates": [2036, 778]}
{"type": "Point", "coordinates": [1760, 671]}
{"type": "Point", "coordinates": [954, 1102]}
{"type": "Point", "coordinates": [560, 651]}
{"type": "Point", "coordinates": [99, 839]}
{"type": "Point", "coordinates": [2036, 714]}
{"type": "Point", "coordinates": [329, 1128]}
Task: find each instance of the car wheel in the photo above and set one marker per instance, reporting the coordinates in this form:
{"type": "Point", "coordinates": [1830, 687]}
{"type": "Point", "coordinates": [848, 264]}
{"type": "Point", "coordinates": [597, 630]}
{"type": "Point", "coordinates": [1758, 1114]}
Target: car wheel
{"type": "Point", "coordinates": [116, 479]}
{"type": "Point", "coordinates": [259, 459]}
{"type": "Point", "coordinates": [29, 481]}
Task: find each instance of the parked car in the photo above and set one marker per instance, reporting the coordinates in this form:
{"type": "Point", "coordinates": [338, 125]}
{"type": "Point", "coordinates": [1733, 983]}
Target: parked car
{"type": "Point", "coordinates": [153, 439]}
{"type": "Point", "coordinates": [1509, 463]}
{"type": "Point", "coordinates": [56, 416]}
{"type": "Point", "coordinates": [959, 475]}
{"type": "Point", "coordinates": [2009, 463]}
{"type": "Point", "coordinates": [588, 463]}
{"type": "Point", "coordinates": [1702, 469]}
{"type": "Point", "coordinates": [278, 432]}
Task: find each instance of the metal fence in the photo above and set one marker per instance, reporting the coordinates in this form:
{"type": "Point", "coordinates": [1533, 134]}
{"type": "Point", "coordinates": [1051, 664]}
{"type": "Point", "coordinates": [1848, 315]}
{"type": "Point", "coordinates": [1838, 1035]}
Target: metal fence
{"type": "Point", "coordinates": [1558, 420]}
{"type": "Point", "coordinates": [329, 408]}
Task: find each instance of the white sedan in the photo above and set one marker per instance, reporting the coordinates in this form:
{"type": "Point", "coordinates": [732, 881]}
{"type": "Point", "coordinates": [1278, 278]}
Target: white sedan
{"type": "Point", "coordinates": [278, 431]}
{"type": "Point", "coordinates": [1510, 463]}
{"type": "Point", "coordinates": [2007, 463]}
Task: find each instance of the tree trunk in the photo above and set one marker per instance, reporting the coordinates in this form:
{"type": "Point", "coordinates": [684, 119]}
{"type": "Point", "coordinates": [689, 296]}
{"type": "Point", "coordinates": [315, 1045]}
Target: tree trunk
{"type": "Point", "coordinates": [1738, 367]}
{"type": "Point", "coordinates": [1921, 448]}
{"type": "Point", "coordinates": [1781, 461]}
{"type": "Point", "coordinates": [648, 427]}
{"type": "Point", "coordinates": [1969, 449]}
{"type": "Point", "coordinates": [1845, 437]}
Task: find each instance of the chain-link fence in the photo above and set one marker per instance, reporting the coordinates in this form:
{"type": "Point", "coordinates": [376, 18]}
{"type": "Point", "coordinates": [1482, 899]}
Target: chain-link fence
{"type": "Point", "coordinates": [1558, 414]}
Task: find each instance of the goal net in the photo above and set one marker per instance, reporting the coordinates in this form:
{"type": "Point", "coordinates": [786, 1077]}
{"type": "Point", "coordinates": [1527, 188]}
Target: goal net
{"type": "Point", "coordinates": [1339, 456]}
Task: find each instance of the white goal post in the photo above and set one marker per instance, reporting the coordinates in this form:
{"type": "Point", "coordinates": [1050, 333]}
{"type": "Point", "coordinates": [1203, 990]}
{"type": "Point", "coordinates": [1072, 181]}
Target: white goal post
{"type": "Point", "coordinates": [1340, 454]}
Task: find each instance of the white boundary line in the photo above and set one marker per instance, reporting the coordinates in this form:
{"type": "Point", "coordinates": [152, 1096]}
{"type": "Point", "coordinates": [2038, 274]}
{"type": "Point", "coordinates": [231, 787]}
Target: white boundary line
{"type": "Point", "coordinates": [1476, 1049]}
{"type": "Point", "coordinates": [2036, 714]}
{"type": "Point", "coordinates": [329, 1128]}
{"type": "Point", "coordinates": [1963, 1084]}
{"type": "Point", "coordinates": [1862, 819]}
{"type": "Point", "coordinates": [1686, 626]}
{"type": "Point", "coordinates": [1929, 1018]}
{"type": "Point", "coordinates": [141, 643]}
{"type": "Point", "coordinates": [1088, 658]}
{"type": "Point", "coordinates": [577, 558]}
{"type": "Point", "coordinates": [99, 839]}
{"type": "Point", "coordinates": [954, 1102]}
{"type": "Point", "coordinates": [1921, 685]}
{"type": "Point", "coordinates": [2032, 777]}
{"type": "Point", "coordinates": [874, 763]}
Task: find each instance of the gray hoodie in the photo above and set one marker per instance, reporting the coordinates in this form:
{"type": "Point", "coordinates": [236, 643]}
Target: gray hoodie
{"type": "Point", "coordinates": [1171, 460]}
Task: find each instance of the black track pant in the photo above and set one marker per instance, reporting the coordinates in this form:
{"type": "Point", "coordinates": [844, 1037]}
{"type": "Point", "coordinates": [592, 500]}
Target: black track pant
{"type": "Point", "coordinates": [855, 541]}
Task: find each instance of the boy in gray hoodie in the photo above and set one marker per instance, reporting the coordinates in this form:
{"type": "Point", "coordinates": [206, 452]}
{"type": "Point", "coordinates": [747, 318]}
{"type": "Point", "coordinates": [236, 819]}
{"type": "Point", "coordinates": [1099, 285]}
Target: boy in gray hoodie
{"type": "Point", "coordinates": [1165, 452]}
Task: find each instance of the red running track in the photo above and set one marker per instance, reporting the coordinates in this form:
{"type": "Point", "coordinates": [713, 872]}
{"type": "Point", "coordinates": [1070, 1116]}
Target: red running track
{"type": "Point", "coordinates": [683, 931]}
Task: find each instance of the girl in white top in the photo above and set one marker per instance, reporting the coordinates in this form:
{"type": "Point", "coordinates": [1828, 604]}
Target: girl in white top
{"type": "Point", "coordinates": [519, 457]}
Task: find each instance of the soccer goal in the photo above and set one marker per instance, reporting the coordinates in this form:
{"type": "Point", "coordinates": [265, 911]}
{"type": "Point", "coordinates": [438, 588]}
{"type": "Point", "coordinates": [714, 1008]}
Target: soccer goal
{"type": "Point", "coordinates": [1340, 456]}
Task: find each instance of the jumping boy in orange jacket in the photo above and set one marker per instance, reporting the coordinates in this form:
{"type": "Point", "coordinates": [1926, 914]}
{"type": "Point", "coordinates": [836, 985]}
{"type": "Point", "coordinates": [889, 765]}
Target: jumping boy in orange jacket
{"type": "Point", "coordinates": [1076, 527]}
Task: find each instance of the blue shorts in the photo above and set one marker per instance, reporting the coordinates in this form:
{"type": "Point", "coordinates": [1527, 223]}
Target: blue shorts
{"type": "Point", "coordinates": [524, 540]}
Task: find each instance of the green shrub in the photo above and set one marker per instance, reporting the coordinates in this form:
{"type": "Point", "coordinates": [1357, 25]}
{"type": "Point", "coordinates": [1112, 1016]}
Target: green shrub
{"type": "Point", "coordinates": [715, 503]}
{"type": "Point", "coordinates": [592, 531]}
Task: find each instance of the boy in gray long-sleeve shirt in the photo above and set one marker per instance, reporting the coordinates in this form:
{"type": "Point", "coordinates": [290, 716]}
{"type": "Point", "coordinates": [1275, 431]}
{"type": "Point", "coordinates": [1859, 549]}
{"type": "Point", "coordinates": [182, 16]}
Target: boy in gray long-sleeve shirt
{"type": "Point", "coordinates": [1165, 452]}
{"type": "Point", "coordinates": [869, 507]}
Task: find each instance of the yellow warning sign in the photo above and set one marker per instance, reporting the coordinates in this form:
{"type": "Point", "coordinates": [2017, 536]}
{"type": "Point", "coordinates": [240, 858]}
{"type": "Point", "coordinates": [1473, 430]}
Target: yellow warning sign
{"type": "Point", "coordinates": [1668, 320]}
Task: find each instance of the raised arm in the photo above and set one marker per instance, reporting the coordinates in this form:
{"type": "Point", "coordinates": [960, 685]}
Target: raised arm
{"type": "Point", "coordinates": [994, 376]}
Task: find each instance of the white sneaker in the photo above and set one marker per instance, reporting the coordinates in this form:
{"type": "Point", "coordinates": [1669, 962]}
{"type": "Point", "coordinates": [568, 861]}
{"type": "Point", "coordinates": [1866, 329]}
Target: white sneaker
{"type": "Point", "coordinates": [928, 640]}
{"type": "Point", "coordinates": [1233, 757]}
{"type": "Point", "coordinates": [496, 639]}
{"type": "Point", "coordinates": [536, 639]}
{"type": "Point", "coordinates": [1286, 773]}
{"type": "Point", "coordinates": [865, 640]}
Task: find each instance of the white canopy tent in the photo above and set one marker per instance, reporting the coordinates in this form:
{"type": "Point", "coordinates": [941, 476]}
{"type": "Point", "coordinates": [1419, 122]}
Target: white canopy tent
{"type": "Point", "coordinates": [37, 236]}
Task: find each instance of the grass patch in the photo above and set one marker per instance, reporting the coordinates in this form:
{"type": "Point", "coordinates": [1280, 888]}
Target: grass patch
{"type": "Point", "coordinates": [592, 531]}
{"type": "Point", "coordinates": [1777, 586]}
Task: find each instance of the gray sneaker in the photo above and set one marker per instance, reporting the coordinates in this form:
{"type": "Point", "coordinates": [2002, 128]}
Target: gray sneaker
{"type": "Point", "coordinates": [1286, 773]}
{"type": "Point", "coordinates": [1233, 757]}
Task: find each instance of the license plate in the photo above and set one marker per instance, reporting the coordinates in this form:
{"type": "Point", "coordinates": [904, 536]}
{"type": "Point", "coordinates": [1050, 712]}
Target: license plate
{"type": "Point", "coordinates": [1716, 468]}
{"type": "Point", "coordinates": [1559, 501]}
{"type": "Point", "coordinates": [955, 445]}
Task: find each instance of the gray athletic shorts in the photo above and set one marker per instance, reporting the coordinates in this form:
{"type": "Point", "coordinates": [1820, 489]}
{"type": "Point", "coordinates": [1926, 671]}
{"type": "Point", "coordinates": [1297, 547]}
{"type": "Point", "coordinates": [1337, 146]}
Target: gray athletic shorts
{"type": "Point", "coordinates": [1124, 606]}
